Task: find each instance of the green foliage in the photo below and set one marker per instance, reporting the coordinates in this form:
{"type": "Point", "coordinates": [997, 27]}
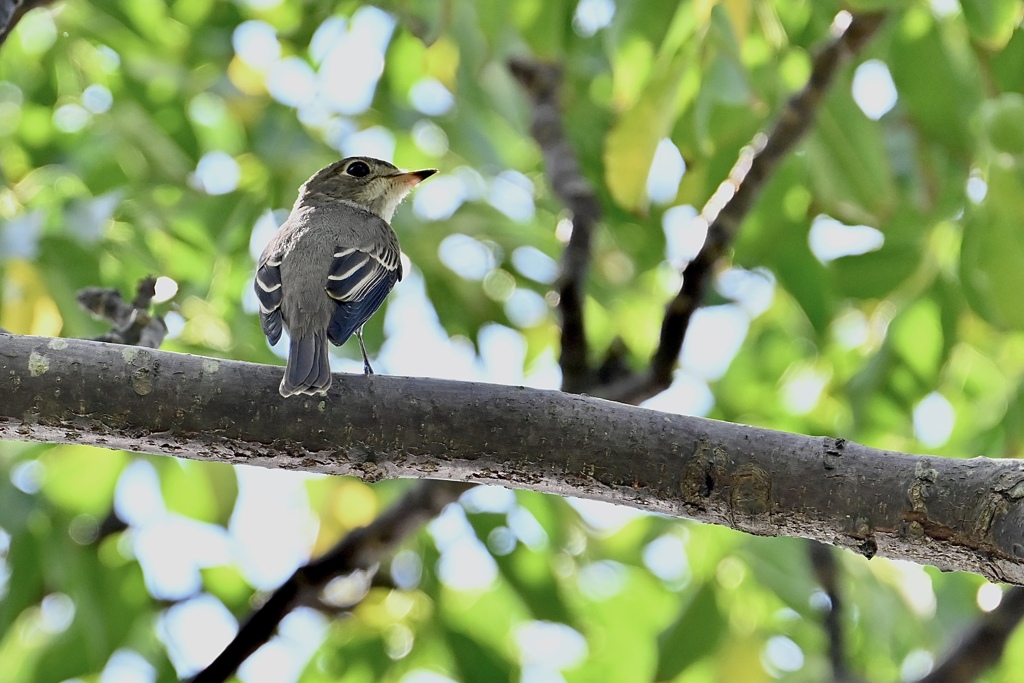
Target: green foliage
{"type": "Point", "coordinates": [111, 112]}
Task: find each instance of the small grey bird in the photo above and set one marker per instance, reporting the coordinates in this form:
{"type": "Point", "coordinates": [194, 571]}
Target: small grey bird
{"type": "Point", "coordinates": [331, 264]}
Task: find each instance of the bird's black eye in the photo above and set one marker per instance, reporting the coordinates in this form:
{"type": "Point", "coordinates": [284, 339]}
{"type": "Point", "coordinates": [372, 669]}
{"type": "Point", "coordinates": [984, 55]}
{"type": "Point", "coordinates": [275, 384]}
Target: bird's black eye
{"type": "Point", "coordinates": [359, 169]}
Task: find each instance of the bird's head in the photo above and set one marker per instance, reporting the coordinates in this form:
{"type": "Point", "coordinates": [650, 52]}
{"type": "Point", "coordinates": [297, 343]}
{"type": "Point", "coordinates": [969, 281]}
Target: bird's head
{"type": "Point", "coordinates": [375, 185]}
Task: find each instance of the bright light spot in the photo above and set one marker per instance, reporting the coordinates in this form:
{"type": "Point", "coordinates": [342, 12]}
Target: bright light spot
{"type": "Point", "coordinates": [261, 4]}
{"type": "Point", "coordinates": [97, 99]}
{"type": "Point", "coordinates": [934, 418]}
{"type": "Point", "coordinates": [873, 89]}
{"type": "Point", "coordinates": [28, 476]}
{"type": "Point", "coordinates": [71, 118]}
{"type": "Point", "coordinates": [916, 665]}
{"type": "Point", "coordinates": [563, 230]}
{"type": "Point", "coordinates": [688, 395]}
{"type": "Point", "coordinates": [466, 565]}
{"type": "Point", "coordinates": [262, 231]}
{"type": "Point", "coordinates": [355, 61]}
{"type": "Point", "coordinates": [666, 172]}
{"type": "Point", "coordinates": [977, 188]}
{"type": "Point", "coordinates": [989, 596]}
{"type": "Point", "coordinates": [206, 109]}
{"type": "Point", "coordinates": [272, 663]}
{"type": "Point", "coordinates": [535, 264]}
{"type": "Point", "coordinates": [430, 137]}
{"type": "Point", "coordinates": [292, 82]}
{"type": "Point", "coordinates": [271, 526]}
{"type": "Point", "coordinates": [417, 345]}
{"type": "Point", "coordinates": [601, 580]}
{"type": "Point", "coordinates": [377, 142]}
{"type": "Point", "coordinates": [37, 31]}
{"type": "Point", "coordinates": [56, 613]}
{"type": "Point", "coordinates": [347, 590]}
{"type": "Point", "coordinates": [527, 529]}
{"type": "Point", "coordinates": [915, 585]}
{"type": "Point", "coordinates": [526, 308]}
{"type": "Point", "coordinates": [166, 288]}
{"type": "Point", "coordinates": [502, 352]}
{"type": "Point", "coordinates": [666, 557]}
{"type": "Point", "coordinates": [172, 550]}
{"type": "Point", "coordinates": [501, 541]}
{"type": "Point", "coordinates": [512, 194]}
{"type": "Point", "coordinates": [127, 666]}
{"type": "Point", "coordinates": [944, 8]}
{"type": "Point", "coordinates": [550, 645]}
{"type": "Point", "coordinates": [429, 96]}
{"type": "Point", "coordinates": [326, 35]}
{"type": "Point", "coordinates": [439, 199]}
{"type": "Point", "coordinates": [783, 654]}
{"type": "Point", "coordinates": [820, 600]}
{"type": "Point", "coordinates": [592, 15]}
{"type": "Point", "coordinates": [802, 387]}
{"type": "Point", "coordinates": [466, 256]}
{"type": "Point", "coordinates": [829, 239]}
{"type": "Point", "coordinates": [216, 173]}
{"type": "Point", "coordinates": [19, 237]}
{"type": "Point", "coordinates": [851, 329]}
{"type": "Point", "coordinates": [716, 334]}
{"type": "Point", "coordinates": [137, 497]}
{"type": "Point", "coordinates": [488, 499]}
{"type": "Point", "coordinates": [196, 631]}
{"type": "Point", "coordinates": [753, 290]}
{"type": "Point", "coordinates": [406, 569]}
{"type": "Point", "coordinates": [684, 236]}
{"type": "Point", "coordinates": [256, 44]}
{"type": "Point", "coordinates": [604, 518]}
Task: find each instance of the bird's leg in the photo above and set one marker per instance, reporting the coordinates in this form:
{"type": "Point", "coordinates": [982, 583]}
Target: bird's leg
{"type": "Point", "coordinates": [367, 370]}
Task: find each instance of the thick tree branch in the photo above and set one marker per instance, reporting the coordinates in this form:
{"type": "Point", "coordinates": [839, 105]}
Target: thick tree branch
{"type": "Point", "coordinates": [731, 203]}
{"type": "Point", "coordinates": [542, 81]}
{"type": "Point", "coordinates": [983, 645]}
{"type": "Point", "coordinates": [362, 549]}
{"type": "Point", "coordinates": [956, 514]}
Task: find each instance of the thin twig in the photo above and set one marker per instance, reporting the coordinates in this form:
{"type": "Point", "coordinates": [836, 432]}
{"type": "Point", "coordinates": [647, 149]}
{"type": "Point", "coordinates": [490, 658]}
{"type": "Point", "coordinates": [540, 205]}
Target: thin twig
{"type": "Point", "coordinates": [132, 322]}
{"type": "Point", "coordinates": [731, 203]}
{"type": "Point", "coordinates": [542, 81]}
{"type": "Point", "coordinates": [362, 549]}
{"type": "Point", "coordinates": [983, 645]}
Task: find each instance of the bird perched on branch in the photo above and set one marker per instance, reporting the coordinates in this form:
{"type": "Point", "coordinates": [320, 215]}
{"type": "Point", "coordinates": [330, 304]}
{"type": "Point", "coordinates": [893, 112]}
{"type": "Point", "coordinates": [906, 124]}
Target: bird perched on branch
{"type": "Point", "coordinates": [331, 264]}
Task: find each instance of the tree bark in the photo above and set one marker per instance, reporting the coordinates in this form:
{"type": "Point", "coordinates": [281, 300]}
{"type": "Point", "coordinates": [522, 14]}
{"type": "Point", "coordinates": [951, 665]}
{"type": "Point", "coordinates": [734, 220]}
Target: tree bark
{"type": "Point", "coordinates": [955, 514]}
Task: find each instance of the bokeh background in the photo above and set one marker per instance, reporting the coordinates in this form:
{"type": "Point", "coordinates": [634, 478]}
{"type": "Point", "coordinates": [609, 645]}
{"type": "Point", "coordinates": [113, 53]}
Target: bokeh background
{"type": "Point", "coordinates": [873, 293]}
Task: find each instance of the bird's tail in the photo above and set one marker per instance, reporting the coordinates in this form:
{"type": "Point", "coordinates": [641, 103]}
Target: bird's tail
{"type": "Point", "coordinates": [309, 368]}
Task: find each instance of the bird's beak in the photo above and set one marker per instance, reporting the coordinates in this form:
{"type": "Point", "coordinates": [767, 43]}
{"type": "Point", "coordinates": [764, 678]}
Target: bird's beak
{"type": "Point", "coordinates": [411, 178]}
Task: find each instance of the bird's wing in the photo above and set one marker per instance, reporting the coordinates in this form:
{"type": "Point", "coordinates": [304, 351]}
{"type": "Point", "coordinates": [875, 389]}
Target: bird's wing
{"type": "Point", "coordinates": [268, 290]}
{"type": "Point", "coordinates": [359, 280]}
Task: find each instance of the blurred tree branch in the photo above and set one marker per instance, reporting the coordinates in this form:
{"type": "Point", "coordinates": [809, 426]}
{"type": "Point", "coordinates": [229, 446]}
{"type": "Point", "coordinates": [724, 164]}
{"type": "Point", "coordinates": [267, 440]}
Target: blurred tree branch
{"type": "Point", "coordinates": [730, 204]}
{"type": "Point", "coordinates": [542, 81]}
{"type": "Point", "coordinates": [983, 645]}
{"type": "Point", "coordinates": [362, 549]}
{"type": "Point", "coordinates": [957, 514]}
{"type": "Point", "coordinates": [826, 572]}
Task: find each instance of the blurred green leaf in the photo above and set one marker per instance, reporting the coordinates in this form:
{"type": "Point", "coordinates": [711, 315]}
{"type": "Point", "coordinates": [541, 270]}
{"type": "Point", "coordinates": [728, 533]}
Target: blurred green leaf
{"type": "Point", "coordinates": [992, 21]}
{"type": "Point", "coordinates": [693, 635]}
